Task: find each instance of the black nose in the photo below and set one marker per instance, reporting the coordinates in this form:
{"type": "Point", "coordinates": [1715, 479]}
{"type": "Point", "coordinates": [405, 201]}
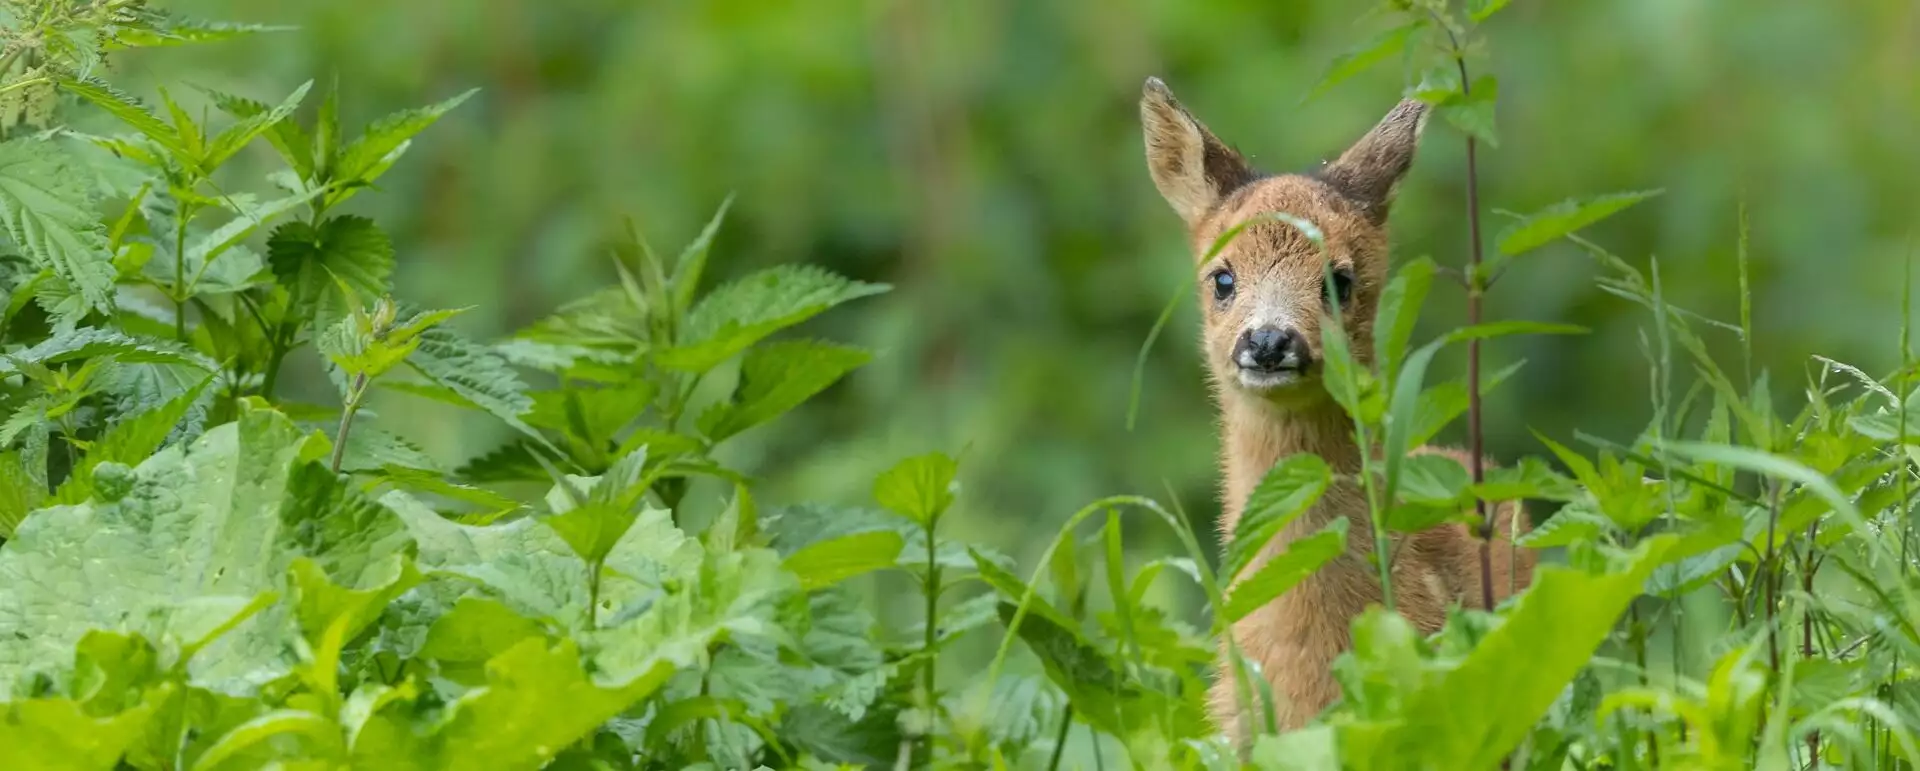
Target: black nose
{"type": "Point", "coordinates": [1270, 349]}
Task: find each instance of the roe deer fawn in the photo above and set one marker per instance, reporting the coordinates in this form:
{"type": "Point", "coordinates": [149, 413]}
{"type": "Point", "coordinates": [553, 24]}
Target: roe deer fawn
{"type": "Point", "coordinates": [1265, 297]}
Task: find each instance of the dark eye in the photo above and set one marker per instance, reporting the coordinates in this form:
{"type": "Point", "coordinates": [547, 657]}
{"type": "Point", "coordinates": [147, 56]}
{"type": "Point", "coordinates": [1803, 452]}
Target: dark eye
{"type": "Point", "coordinates": [1341, 289]}
{"type": "Point", "coordinates": [1222, 284]}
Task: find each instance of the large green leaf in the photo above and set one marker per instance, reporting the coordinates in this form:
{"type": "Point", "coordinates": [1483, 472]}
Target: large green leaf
{"type": "Point", "coordinates": [128, 442]}
{"type": "Point", "coordinates": [536, 701]}
{"type": "Point", "coordinates": [1288, 490]}
{"type": "Point", "coordinates": [366, 158]}
{"type": "Point", "coordinates": [199, 539]}
{"type": "Point", "coordinates": [830, 562]}
{"type": "Point", "coordinates": [225, 144]}
{"type": "Point", "coordinates": [56, 734]}
{"type": "Point", "coordinates": [475, 375]}
{"type": "Point", "coordinates": [776, 378]}
{"type": "Point", "coordinates": [919, 488]}
{"type": "Point", "coordinates": [739, 314]}
{"type": "Point", "coordinates": [314, 263]}
{"type": "Point", "coordinates": [129, 111]}
{"type": "Point", "coordinates": [530, 567]}
{"type": "Point", "coordinates": [1286, 570]}
{"type": "Point", "coordinates": [1378, 49]}
{"type": "Point", "coordinates": [1473, 714]}
{"type": "Point", "coordinates": [48, 210]}
{"type": "Point", "coordinates": [1557, 221]}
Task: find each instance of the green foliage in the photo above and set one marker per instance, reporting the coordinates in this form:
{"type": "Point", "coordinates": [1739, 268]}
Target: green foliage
{"type": "Point", "coordinates": [200, 572]}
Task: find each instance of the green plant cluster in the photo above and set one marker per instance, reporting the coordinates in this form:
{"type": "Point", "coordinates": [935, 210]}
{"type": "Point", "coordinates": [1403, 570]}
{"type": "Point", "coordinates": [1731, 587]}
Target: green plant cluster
{"type": "Point", "coordinates": [201, 574]}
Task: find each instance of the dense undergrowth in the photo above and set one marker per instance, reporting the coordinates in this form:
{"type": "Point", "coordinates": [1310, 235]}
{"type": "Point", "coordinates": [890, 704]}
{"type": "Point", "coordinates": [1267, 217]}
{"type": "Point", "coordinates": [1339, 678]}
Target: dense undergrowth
{"type": "Point", "coordinates": [200, 573]}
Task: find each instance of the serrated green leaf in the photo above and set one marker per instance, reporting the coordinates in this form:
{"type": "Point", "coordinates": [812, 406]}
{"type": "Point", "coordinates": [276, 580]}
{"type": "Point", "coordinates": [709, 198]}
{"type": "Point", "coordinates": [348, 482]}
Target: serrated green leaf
{"type": "Point", "coordinates": [692, 262]}
{"type": "Point", "coordinates": [92, 342]}
{"type": "Point", "coordinates": [742, 313]}
{"type": "Point", "coordinates": [314, 262]}
{"type": "Point", "coordinates": [128, 442]}
{"type": "Point", "coordinates": [367, 157]}
{"type": "Point", "coordinates": [1286, 570]}
{"type": "Point", "coordinates": [476, 375]}
{"type": "Point", "coordinates": [48, 210]}
{"type": "Point", "coordinates": [372, 448]}
{"type": "Point", "coordinates": [1570, 526]}
{"type": "Point", "coordinates": [130, 112]}
{"type": "Point", "coordinates": [1290, 488]}
{"type": "Point", "coordinates": [235, 137]}
{"type": "Point", "coordinates": [1473, 112]}
{"type": "Point", "coordinates": [1512, 327]}
{"type": "Point", "coordinates": [1477, 712]}
{"type": "Point", "coordinates": [509, 723]}
{"type": "Point", "coordinates": [776, 378]}
{"type": "Point", "coordinates": [285, 134]}
{"type": "Point", "coordinates": [20, 492]}
{"type": "Point", "coordinates": [1557, 221]}
{"type": "Point", "coordinates": [1443, 403]}
{"type": "Point", "coordinates": [919, 488]}
{"type": "Point", "coordinates": [1398, 312]}
{"type": "Point", "coordinates": [1433, 479]}
{"type": "Point", "coordinates": [829, 562]}
{"type": "Point", "coordinates": [1353, 62]}
{"type": "Point", "coordinates": [207, 251]}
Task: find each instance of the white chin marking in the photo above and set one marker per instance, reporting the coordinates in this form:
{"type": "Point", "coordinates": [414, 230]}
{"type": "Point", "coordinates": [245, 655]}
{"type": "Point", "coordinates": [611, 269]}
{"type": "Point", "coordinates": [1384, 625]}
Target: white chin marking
{"type": "Point", "coordinates": [1266, 381]}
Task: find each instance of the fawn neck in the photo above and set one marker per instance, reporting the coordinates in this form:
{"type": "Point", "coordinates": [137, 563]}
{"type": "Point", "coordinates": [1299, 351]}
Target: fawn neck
{"type": "Point", "coordinates": [1257, 433]}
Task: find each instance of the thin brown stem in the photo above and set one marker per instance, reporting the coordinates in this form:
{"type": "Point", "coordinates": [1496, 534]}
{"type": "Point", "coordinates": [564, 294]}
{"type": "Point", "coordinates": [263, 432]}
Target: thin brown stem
{"type": "Point", "coordinates": [1476, 433]}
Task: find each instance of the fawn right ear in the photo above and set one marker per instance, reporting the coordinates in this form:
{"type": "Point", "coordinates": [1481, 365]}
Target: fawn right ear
{"type": "Point", "coordinates": [1191, 166]}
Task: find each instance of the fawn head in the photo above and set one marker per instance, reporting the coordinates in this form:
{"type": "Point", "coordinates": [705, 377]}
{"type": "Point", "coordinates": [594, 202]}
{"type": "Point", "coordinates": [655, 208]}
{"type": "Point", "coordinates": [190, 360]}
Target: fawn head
{"type": "Point", "coordinates": [1269, 291]}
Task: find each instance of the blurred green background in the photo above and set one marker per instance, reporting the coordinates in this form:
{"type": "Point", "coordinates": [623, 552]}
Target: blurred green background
{"type": "Point", "coordinates": [984, 157]}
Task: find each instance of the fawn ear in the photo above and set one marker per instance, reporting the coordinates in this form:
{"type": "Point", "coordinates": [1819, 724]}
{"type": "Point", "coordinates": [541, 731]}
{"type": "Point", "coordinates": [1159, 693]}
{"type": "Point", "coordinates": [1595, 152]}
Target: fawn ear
{"type": "Point", "coordinates": [1192, 168]}
{"type": "Point", "coordinates": [1370, 170]}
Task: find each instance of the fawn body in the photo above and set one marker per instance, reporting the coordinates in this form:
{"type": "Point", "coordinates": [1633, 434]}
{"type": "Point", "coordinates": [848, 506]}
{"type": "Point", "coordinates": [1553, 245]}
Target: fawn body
{"type": "Point", "coordinates": [1264, 298]}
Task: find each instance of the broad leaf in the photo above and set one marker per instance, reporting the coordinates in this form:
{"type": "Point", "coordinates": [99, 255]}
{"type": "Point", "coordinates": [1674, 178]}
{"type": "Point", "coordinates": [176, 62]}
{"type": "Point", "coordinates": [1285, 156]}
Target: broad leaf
{"type": "Point", "coordinates": [1399, 310]}
{"type": "Point", "coordinates": [48, 210]}
{"type": "Point", "coordinates": [202, 539]}
{"type": "Point", "coordinates": [1286, 492]}
{"type": "Point", "coordinates": [740, 314]}
{"type": "Point", "coordinates": [1382, 47]}
{"type": "Point", "coordinates": [1557, 221]}
{"type": "Point", "coordinates": [314, 263]}
{"type": "Point", "coordinates": [369, 156]}
{"type": "Point", "coordinates": [475, 375]}
{"type": "Point", "coordinates": [776, 378]}
{"type": "Point", "coordinates": [830, 562]}
{"type": "Point", "coordinates": [918, 488]}
{"type": "Point", "coordinates": [1286, 570]}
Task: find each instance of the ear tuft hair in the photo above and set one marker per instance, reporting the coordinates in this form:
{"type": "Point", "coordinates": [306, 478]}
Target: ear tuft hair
{"type": "Point", "coordinates": [1369, 172]}
{"type": "Point", "coordinates": [1191, 167]}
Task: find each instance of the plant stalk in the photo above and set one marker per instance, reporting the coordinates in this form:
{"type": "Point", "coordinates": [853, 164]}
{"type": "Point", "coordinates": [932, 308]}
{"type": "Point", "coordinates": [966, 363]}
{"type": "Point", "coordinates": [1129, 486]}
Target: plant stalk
{"type": "Point", "coordinates": [932, 627]}
{"type": "Point", "coordinates": [180, 285]}
{"type": "Point", "coordinates": [346, 419]}
{"type": "Point", "coordinates": [1060, 739]}
{"type": "Point", "coordinates": [1476, 435]}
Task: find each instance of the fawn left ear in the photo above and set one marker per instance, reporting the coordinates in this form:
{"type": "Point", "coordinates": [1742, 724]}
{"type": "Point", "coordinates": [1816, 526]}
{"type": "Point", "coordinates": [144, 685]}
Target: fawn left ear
{"type": "Point", "coordinates": [1369, 172]}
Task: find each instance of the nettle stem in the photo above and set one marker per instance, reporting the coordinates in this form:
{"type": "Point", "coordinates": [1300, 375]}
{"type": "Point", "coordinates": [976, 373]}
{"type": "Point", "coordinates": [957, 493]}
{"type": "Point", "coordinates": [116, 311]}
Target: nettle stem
{"type": "Point", "coordinates": [354, 397]}
{"type": "Point", "coordinates": [932, 635]}
{"type": "Point", "coordinates": [1476, 288]}
{"type": "Point", "coordinates": [180, 286]}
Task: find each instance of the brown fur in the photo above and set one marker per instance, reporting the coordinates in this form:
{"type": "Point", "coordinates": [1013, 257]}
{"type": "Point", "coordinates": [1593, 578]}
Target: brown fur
{"type": "Point", "coordinates": [1279, 277]}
